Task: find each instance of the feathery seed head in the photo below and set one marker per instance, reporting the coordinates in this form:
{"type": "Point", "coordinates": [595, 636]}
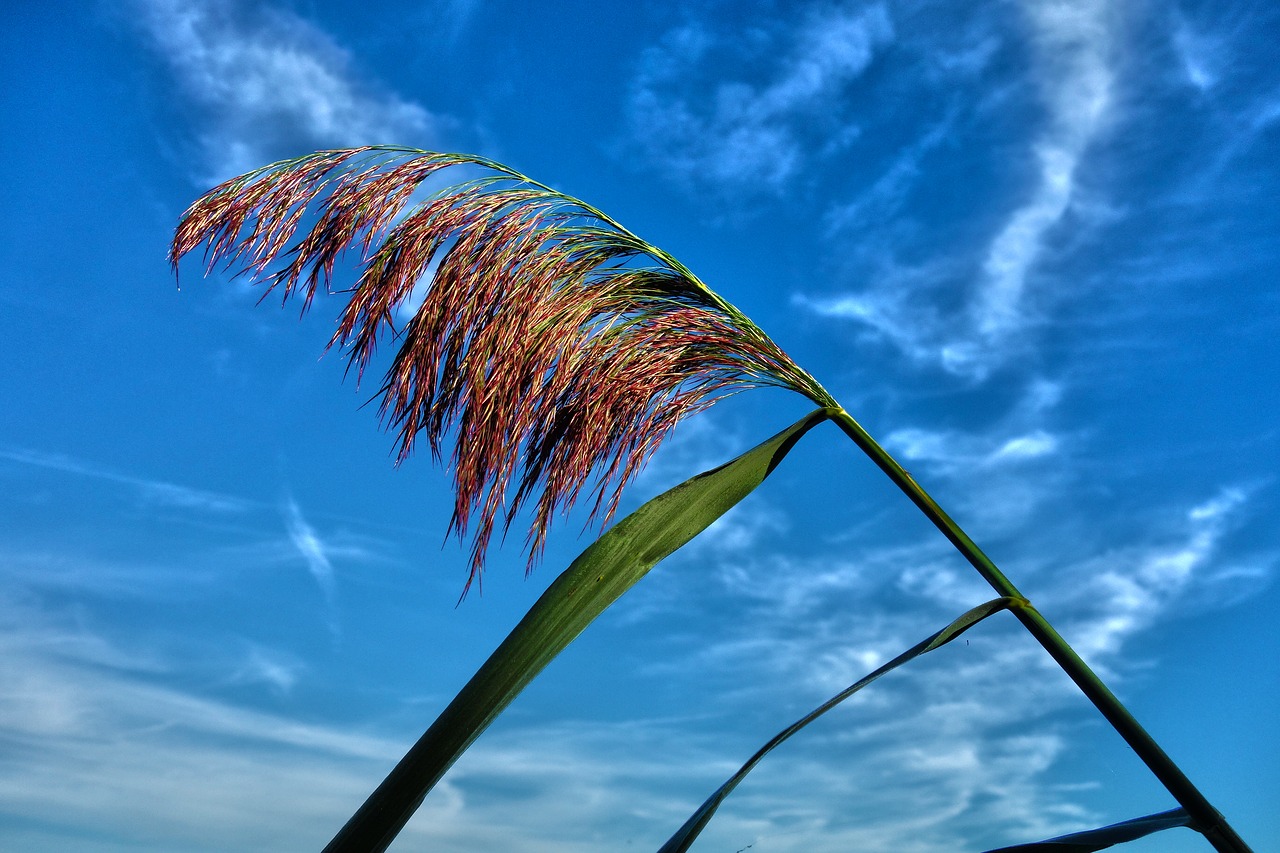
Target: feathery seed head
{"type": "Point", "coordinates": [556, 347]}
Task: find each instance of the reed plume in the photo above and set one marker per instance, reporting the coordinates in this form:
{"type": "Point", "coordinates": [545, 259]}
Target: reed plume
{"type": "Point", "coordinates": [557, 348]}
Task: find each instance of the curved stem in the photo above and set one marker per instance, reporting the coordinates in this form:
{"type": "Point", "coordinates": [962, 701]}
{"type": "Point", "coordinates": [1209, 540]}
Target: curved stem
{"type": "Point", "coordinates": [1207, 819]}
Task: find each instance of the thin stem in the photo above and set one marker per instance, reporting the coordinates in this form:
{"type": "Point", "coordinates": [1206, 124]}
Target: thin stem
{"type": "Point", "coordinates": [1207, 819]}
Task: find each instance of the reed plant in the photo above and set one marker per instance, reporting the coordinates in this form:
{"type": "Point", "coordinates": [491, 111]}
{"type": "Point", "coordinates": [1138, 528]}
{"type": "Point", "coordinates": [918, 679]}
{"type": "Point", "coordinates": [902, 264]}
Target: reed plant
{"type": "Point", "coordinates": [547, 351]}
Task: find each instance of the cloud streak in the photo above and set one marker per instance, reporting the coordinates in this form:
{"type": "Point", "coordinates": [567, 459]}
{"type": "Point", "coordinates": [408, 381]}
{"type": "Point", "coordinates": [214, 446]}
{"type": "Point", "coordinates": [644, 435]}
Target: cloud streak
{"type": "Point", "coordinates": [1074, 42]}
{"type": "Point", "coordinates": [315, 554]}
{"type": "Point", "coordinates": [1127, 591]}
{"type": "Point", "coordinates": [99, 752]}
{"type": "Point", "coordinates": [269, 83]}
{"type": "Point", "coordinates": [970, 311]}
{"type": "Point", "coordinates": [740, 136]}
{"type": "Point", "coordinates": [151, 491]}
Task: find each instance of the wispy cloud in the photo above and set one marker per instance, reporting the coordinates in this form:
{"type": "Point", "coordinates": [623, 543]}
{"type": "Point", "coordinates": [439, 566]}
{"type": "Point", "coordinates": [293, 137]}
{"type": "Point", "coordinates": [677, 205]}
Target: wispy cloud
{"type": "Point", "coordinates": [1074, 43]}
{"type": "Point", "coordinates": [893, 309]}
{"type": "Point", "coordinates": [278, 671]}
{"type": "Point", "coordinates": [315, 554]}
{"type": "Point", "coordinates": [971, 310]}
{"type": "Point", "coordinates": [270, 83]}
{"type": "Point", "coordinates": [1130, 589]}
{"type": "Point", "coordinates": [1003, 471]}
{"type": "Point", "coordinates": [1199, 52]}
{"type": "Point", "coordinates": [243, 541]}
{"type": "Point", "coordinates": [887, 194]}
{"type": "Point", "coordinates": [758, 131]}
{"type": "Point", "coordinates": [1216, 49]}
{"type": "Point", "coordinates": [151, 491]}
{"type": "Point", "coordinates": [104, 754]}
{"type": "Point", "coordinates": [969, 452]}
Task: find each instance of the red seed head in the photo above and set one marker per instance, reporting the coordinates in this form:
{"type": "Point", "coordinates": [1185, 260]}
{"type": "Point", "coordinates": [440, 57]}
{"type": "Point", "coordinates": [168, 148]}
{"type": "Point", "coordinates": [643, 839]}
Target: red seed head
{"type": "Point", "coordinates": [555, 347]}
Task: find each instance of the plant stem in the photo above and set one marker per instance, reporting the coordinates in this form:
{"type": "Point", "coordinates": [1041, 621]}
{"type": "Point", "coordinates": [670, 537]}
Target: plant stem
{"type": "Point", "coordinates": [1206, 818]}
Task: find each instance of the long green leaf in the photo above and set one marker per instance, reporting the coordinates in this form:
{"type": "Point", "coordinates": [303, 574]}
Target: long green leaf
{"type": "Point", "coordinates": [602, 573]}
{"type": "Point", "coordinates": [1100, 839]}
{"type": "Point", "coordinates": [685, 836]}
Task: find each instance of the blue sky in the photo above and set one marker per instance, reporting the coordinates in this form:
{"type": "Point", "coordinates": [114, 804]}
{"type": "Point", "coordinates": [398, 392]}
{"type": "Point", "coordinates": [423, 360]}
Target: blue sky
{"type": "Point", "coordinates": [1030, 245]}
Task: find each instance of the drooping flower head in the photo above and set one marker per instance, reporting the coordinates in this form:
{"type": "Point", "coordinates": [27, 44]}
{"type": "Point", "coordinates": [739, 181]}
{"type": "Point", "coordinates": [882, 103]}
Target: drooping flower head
{"type": "Point", "coordinates": [557, 348]}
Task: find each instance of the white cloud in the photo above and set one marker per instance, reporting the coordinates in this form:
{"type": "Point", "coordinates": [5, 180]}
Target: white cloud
{"type": "Point", "coordinates": [955, 450]}
{"type": "Point", "coordinates": [970, 750]}
{"type": "Point", "coordinates": [1073, 45]}
{"type": "Point", "coordinates": [1074, 42]}
{"type": "Point", "coordinates": [740, 135]}
{"type": "Point", "coordinates": [1005, 470]}
{"type": "Point", "coordinates": [1130, 589]}
{"type": "Point", "coordinates": [1198, 52]}
{"type": "Point", "coordinates": [151, 491]}
{"type": "Point", "coordinates": [304, 538]}
{"type": "Point", "coordinates": [107, 756]}
{"type": "Point", "coordinates": [315, 553]}
{"type": "Point", "coordinates": [113, 760]}
{"type": "Point", "coordinates": [893, 309]}
{"type": "Point", "coordinates": [271, 84]}
{"type": "Point", "coordinates": [1030, 446]}
{"type": "Point", "coordinates": [832, 48]}
{"type": "Point", "coordinates": [1266, 113]}
{"type": "Point", "coordinates": [264, 666]}
{"type": "Point", "coordinates": [794, 588]}
{"type": "Point", "coordinates": [882, 202]}
{"type": "Point", "coordinates": [104, 755]}
{"type": "Point", "coordinates": [953, 728]}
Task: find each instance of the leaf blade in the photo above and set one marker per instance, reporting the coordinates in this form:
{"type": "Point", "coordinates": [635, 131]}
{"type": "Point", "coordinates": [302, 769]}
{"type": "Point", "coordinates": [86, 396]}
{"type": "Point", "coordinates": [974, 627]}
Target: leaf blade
{"type": "Point", "coordinates": [1091, 840]}
{"type": "Point", "coordinates": [597, 578]}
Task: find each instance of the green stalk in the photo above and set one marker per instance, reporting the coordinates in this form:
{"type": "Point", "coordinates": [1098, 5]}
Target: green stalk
{"type": "Point", "coordinates": [1206, 818]}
